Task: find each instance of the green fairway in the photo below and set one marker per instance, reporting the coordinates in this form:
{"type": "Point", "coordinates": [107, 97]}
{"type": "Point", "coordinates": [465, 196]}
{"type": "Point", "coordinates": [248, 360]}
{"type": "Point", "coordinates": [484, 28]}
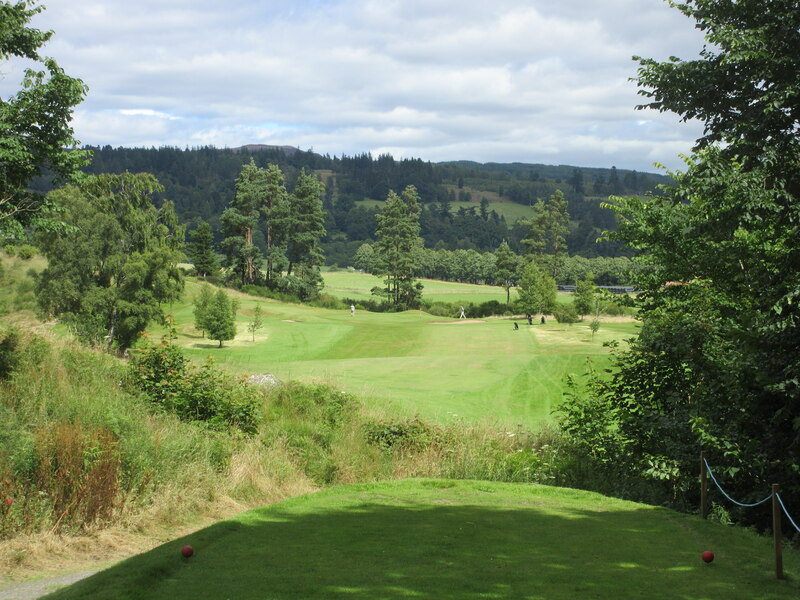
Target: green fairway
{"type": "Point", "coordinates": [349, 284]}
{"type": "Point", "coordinates": [452, 540]}
{"type": "Point", "coordinates": [415, 363]}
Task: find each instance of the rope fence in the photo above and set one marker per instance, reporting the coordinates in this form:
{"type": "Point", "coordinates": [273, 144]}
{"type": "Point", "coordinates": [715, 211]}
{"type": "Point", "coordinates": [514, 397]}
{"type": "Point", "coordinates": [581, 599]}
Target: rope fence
{"type": "Point", "coordinates": [777, 507]}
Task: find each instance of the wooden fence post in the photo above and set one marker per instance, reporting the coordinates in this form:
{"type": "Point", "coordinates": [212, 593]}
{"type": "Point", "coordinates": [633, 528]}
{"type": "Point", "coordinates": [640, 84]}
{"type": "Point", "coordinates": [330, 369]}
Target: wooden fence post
{"type": "Point", "coordinates": [703, 486]}
{"type": "Point", "coordinates": [777, 536]}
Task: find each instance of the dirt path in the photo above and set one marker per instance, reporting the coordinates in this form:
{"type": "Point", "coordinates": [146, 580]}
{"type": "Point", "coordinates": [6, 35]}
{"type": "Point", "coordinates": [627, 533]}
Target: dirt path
{"type": "Point", "coordinates": [30, 590]}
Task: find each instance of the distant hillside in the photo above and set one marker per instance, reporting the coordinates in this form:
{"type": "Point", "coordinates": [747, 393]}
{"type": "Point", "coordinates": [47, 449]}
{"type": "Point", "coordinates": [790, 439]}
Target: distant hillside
{"type": "Point", "coordinates": [288, 150]}
{"type": "Point", "coordinates": [466, 204]}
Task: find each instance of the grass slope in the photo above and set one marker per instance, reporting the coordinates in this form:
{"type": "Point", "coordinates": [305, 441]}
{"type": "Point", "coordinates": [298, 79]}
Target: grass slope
{"type": "Point", "coordinates": [441, 369]}
{"type": "Point", "coordinates": [452, 540]}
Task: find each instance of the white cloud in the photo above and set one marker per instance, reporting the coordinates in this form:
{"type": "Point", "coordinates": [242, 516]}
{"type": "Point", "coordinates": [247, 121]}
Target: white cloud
{"type": "Point", "coordinates": [511, 80]}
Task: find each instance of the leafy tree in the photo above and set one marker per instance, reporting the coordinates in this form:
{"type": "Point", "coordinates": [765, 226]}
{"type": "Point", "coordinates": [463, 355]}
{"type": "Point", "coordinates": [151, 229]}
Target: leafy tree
{"type": "Point", "coordinates": [397, 248]}
{"type": "Point", "coordinates": [364, 258]}
{"type": "Point", "coordinates": [256, 323]}
{"type": "Point", "coordinates": [221, 318]}
{"type": "Point", "coordinates": [717, 363]}
{"type": "Point", "coordinates": [584, 295]}
{"type": "Point", "coordinates": [35, 131]}
{"type": "Point", "coordinates": [202, 302]}
{"type": "Point", "coordinates": [537, 290]}
{"type": "Point", "coordinates": [506, 267]}
{"type": "Point", "coordinates": [110, 273]}
{"type": "Point", "coordinates": [744, 87]}
{"type": "Point", "coordinates": [201, 250]}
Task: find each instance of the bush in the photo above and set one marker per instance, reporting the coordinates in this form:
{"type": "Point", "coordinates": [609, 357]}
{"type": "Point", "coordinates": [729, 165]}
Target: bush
{"type": "Point", "coordinates": [26, 251]}
{"type": "Point", "coordinates": [566, 314]}
{"type": "Point", "coordinates": [328, 301]}
{"type": "Point", "coordinates": [204, 394]}
{"type": "Point", "coordinates": [401, 435]}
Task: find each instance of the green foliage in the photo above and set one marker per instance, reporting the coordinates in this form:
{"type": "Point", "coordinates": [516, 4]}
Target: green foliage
{"type": "Point", "coordinates": [9, 352]}
{"type": "Point", "coordinates": [364, 258]}
{"type": "Point", "coordinates": [584, 300]}
{"type": "Point", "coordinates": [309, 419]}
{"type": "Point", "coordinates": [397, 248]}
{"type": "Point", "coordinates": [411, 435]}
{"type": "Point", "coordinates": [196, 394]}
{"type": "Point", "coordinates": [549, 227]}
{"type": "Point", "coordinates": [201, 250]}
{"type": "Point", "coordinates": [717, 363]}
{"type": "Point", "coordinates": [118, 264]}
{"type": "Point", "coordinates": [220, 317]}
{"type": "Point", "coordinates": [506, 268]}
{"type": "Point", "coordinates": [256, 323]}
{"type": "Point", "coordinates": [26, 251]}
{"type": "Point", "coordinates": [537, 290]}
{"type": "Point", "coordinates": [36, 133]}
{"type": "Point", "coordinates": [202, 303]}
{"type": "Point", "coordinates": [565, 314]}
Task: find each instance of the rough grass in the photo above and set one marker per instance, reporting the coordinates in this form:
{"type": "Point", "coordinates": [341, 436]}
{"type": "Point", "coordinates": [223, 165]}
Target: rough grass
{"type": "Point", "coordinates": [452, 540]}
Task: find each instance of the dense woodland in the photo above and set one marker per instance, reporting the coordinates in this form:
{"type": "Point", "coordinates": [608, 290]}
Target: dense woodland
{"type": "Point", "coordinates": [201, 184]}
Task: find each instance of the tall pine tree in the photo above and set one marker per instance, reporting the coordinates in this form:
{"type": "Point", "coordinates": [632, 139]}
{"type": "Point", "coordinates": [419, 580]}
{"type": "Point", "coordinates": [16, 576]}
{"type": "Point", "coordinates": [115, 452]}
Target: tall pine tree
{"type": "Point", "coordinates": [397, 248]}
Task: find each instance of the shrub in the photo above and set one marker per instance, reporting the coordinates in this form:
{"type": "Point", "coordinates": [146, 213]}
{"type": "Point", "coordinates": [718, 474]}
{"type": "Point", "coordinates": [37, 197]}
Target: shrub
{"type": "Point", "coordinates": [566, 314]}
{"type": "Point", "coordinates": [9, 352]}
{"type": "Point", "coordinates": [203, 394]}
{"type": "Point", "coordinates": [328, 301]}
{"type": "Point", "coordinates": [414, 434]}
{"type": "Point", "coordinates": [26, 251]}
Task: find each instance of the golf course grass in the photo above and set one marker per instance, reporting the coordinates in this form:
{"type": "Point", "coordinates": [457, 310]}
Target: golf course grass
{"type": "Point", "coordinates": [357, 286]}
{"type": "Point", "coordinates": [412, 362]}
{"type": "Point", "coordinates": [452, 540]}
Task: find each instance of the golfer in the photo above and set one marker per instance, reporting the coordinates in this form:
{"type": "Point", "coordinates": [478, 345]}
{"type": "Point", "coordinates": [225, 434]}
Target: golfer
{"type": "Point", "coordinates": [463, 315]}
{"type": "Point", "coordinates": [352, 310]}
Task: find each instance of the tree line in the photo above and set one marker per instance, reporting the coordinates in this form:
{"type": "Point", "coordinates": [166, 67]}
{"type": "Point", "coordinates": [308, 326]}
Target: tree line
{"type": "Point", "coordinates": [199, 182]}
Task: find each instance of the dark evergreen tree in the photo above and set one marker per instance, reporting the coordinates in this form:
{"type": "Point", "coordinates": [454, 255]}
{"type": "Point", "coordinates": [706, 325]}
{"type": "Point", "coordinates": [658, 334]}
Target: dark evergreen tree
{"type": "Point", "coordinates": [201, 250]}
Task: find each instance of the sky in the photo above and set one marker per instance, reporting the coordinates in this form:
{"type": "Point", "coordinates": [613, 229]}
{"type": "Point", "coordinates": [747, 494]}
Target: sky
{"type": "Point", "coordinates": [536, 81]}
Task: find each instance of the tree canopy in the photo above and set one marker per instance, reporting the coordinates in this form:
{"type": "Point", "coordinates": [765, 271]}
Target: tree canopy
{"type": "Point", "coordinates": [109, 273]}
{"type": "Point", "coordinates": [398, 247]}
{"type": "Point", "coordinates": [717, 363]}
{"type": "Point", "coordinates": [35, 130]}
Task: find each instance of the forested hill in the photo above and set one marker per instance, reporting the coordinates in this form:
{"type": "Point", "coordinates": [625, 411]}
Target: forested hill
{"type": "Point", "coordinates": [466, 204]}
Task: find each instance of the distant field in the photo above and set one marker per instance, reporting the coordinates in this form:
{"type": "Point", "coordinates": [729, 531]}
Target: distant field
{"type": "Point", "coordinates": [510, 210]}
{"type": "Point", "coordinates": [349, 284]}
{"type": "Point", "coordinates": [415, 363]}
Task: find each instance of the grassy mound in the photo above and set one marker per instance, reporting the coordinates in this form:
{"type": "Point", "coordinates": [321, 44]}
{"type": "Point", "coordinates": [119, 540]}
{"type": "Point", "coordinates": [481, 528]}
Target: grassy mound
{"type": "Point", "coordinates": [452, 540]}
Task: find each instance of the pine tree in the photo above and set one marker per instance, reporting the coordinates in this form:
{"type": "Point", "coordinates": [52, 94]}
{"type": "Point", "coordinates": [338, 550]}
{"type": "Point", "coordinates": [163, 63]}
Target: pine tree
{"type": "Point", "coordinates": [201, 250]}
{"type": "Point", "coordinates": [397, 248]}
{"type": "Point", "coordinates": [305, 226]}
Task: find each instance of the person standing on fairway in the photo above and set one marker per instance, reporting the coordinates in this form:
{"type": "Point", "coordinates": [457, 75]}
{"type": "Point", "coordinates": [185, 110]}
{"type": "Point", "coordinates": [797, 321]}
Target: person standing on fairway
{"type": "Point", "coordinates": [352, 310]}
{"type": "Point", "coordinates": [463, 315]}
